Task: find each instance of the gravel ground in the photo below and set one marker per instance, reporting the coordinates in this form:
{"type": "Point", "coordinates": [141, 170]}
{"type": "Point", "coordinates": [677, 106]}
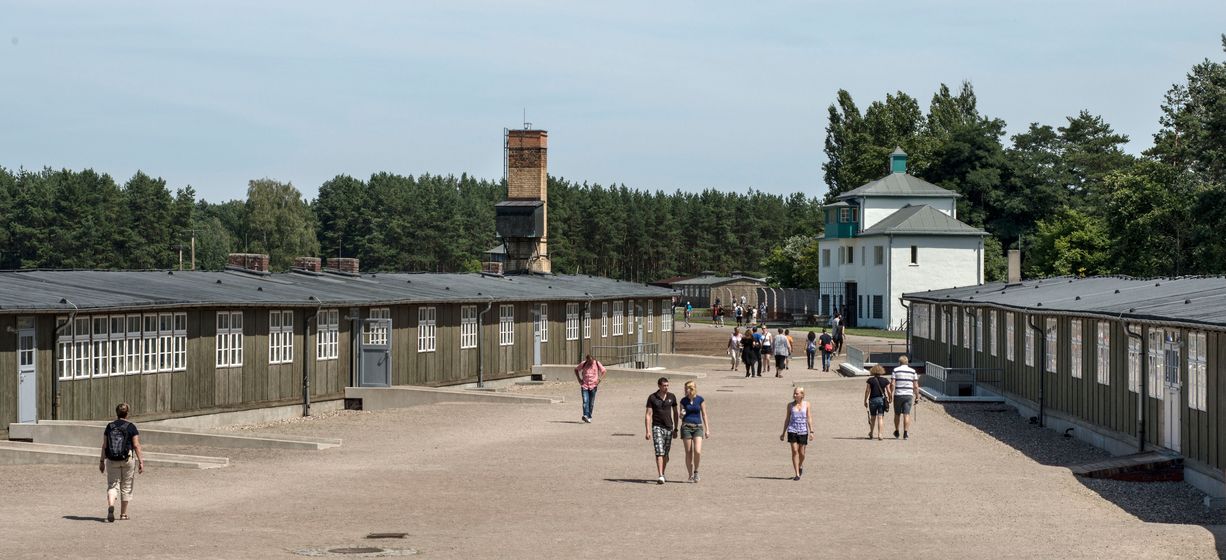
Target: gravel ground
{"type": "Point", "coordinates": [532, 481]}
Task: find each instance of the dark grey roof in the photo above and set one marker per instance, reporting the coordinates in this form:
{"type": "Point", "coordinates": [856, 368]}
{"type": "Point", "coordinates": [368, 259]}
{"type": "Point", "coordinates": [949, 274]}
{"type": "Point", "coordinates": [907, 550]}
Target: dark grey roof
{"type": "Point", "coordinates": [47, 290]}
{"type": "Point", "coordinates": [839, 204]}
{"type": "Point", "coordinates": [899, 184]}
{"type": "Point", "coordinates": [715, 280]}
{"type": "Point", "coordinates": [1188, 300]}
{"type": "Point", "coordinates": [523, 203]}
{"type": "Point", "coordinates": [920, 220]}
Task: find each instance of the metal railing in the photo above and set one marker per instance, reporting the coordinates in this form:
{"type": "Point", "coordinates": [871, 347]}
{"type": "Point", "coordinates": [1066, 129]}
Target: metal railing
{"type": "Point", "coordinates": [884, 354]}
{"type": "Point", "coordinates": [638, 356]}
{"type": "Point", "coordinates": [962, 382]}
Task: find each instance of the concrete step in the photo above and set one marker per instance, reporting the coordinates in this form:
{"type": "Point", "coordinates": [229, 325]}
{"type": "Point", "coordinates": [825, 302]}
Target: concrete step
{"type": "Point", "coordinates": [24, 453]}
{"type": "Point", "coordinates": [1138, 467]}
{"type": "Point", "coordinates": [88, 434]}
{"type": "Point", "coordinates": [404, 396]}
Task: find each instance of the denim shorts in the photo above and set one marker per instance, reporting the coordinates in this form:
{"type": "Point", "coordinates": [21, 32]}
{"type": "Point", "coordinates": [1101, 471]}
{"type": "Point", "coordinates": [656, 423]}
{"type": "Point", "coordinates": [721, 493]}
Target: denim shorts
{"type": "Point", "coordinates": [876, 406]}
{"type": "Point", "coordinates": [902, 404]}
{"type": "Point", "coordinates": [691, 431]}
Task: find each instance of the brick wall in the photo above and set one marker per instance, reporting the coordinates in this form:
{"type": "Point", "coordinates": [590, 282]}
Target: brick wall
{"type": "Point", "coordinates": [248, 261]}
{"type": "Point", "coordinates": [312, 264]}
{"type": "Point", "coordinates": [346, 265]}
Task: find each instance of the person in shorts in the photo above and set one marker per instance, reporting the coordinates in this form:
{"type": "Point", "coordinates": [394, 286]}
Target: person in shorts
{"type": "Point", "coordinates": [694, 427]}
{"type": "Point", "coordinates": [121, 460]}
{"type": "Point", "coordinates": [661, 422]}
{"type": "Point", "coordinates": [768, 348]}
{"type": "Point", "coordinates": [797, 426]}
{"type": "Point", "coordinates": [876, 400]}
{"type": "Point", "coordinates": [906, 394]}
{"type": "Point", "coordinates": [783, 349]}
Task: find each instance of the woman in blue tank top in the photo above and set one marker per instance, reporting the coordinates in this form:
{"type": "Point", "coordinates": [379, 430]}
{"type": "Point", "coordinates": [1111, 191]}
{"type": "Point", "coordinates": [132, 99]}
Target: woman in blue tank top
{"type": "Point", "coordinates": [797, 426]}
{"type": "Point", "coordinates": [694, 427]}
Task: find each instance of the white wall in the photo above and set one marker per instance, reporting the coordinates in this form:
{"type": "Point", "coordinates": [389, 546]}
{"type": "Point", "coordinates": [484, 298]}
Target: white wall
{"type": "Point", "coordinates": [877, 208]}
{"type": "Point", "coordinates": [944, 262]}
{"type": "Point", "coordinates": [870, 278]}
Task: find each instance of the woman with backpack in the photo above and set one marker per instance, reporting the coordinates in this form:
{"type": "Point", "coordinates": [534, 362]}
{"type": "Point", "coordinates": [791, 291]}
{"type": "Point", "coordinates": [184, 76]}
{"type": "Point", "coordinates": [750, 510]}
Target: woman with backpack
{"type": "Point", "coordinates": [826, 344]}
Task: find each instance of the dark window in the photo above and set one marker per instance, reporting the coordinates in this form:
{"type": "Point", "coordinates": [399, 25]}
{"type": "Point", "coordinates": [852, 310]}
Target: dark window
{"type": "Point", "coordinates": [826, 304]}
{"type": "Point", "coordinates": [877, 301]}
{"type": "Point", "coordinates": [914, 254]}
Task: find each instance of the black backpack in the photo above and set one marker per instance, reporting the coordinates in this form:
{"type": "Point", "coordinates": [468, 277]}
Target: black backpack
{"type": "Point", "coordinates": [117, 448]}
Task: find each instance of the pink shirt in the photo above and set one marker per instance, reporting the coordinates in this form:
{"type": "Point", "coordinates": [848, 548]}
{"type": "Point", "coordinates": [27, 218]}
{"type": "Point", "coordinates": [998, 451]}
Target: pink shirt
{"type": "Point", "coordinates": [590, 375]}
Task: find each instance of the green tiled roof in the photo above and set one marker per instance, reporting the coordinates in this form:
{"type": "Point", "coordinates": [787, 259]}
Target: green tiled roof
{"type": "Point", "coordinates": [920, 220]}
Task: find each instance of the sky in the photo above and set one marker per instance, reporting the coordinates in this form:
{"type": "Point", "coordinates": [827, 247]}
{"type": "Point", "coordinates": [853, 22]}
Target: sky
{"type": "Point", "coordinates": [655, 95]}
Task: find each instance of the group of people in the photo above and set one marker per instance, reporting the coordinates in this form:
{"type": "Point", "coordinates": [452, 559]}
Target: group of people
{"type": "Point", "coordinates": [745, 315]}
{"type": "Point", "coordinates": [756, 347]}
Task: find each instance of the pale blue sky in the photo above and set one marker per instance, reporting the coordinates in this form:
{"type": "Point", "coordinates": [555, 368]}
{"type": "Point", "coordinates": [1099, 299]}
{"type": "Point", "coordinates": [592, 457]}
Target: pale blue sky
{"type": "Point", "coordinates": [656, 95]}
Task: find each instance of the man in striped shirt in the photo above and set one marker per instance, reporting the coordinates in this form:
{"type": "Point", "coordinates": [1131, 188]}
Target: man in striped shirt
{"type": "Point", "coordinates": [906, 394]}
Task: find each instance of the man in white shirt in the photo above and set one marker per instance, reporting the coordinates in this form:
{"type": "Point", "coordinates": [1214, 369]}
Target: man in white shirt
{"type": "Point", "coordinates": [906, 394]}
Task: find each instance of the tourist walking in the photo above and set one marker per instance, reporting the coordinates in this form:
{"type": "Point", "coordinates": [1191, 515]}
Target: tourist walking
{"type": "Point", "coordinates": [768, 349]}
{"type": "Point", "coordinates": [734, 347]}
{"type": "Point", "coordinates": [121, 459]}
{"type": "Point", "coordinates": [826, 344]}
{"type": "Point", "coordinates": [787, 363]}
{"type": "Point", "coordinates": [797, 426]}
{"type": "Point", "coordinates": [694, 427]}
{"type": "Point", "coordinates": [811, 348]}
{"type": "Point", "coordinates": [740, 314]}
{"type": "Point", "coordinates": [590, 372]}
{"type": "Point", "coordinates": [661, 421]}
{"type": "Point", "coordinates": [783, 349]}
{"type": "Point", "coordinates": [906, 395]}
{"type": "Point", "coordinates": [877, 400]}
{"type": "Point", "coordinates": [689, 309]}
{"type": "Point", "coordinates": [749, 352]}
{"type": "Point", "coordinates": [838, 335]}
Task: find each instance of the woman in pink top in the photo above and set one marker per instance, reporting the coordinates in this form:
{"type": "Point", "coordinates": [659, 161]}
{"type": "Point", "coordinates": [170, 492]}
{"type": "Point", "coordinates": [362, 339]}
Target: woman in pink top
{"type": "Point", "coordinates": [589, 374]}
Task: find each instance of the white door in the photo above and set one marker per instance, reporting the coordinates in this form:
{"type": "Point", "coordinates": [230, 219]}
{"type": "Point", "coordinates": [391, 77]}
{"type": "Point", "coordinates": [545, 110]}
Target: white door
{"type": "Point", "coordinates": [27, 375]}
{"type": "Point", "coordinates": [1173, 401]}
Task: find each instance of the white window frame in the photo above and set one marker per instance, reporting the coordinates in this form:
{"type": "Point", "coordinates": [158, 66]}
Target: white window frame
{"type": "Point", "coordinates": [1076, 348]}
{"type": "Point", "coordinates": [166, 341]}
{"type": "Point", "coordinates": [1029, 350]}
{"type": "Point", "coordinates": [179, 342]}
{"type": "Point", "coordinates": [587, 321]}
{"type": "Point", "coordinates": [967, 335]}
{"type": "Point", "coordinates": [878, 255]}
{"type": "Point", "coordinates": [947, 324]}
{"type": "Point", "coordinates": [630, 317]}
{"type": "Point", "coordinates": [506, 325]}
{"type": "Point", "coordinates": [1134, 365]}
{"type": "Point", "coordinates": [377, 334]}
{"type": "Point", "coordinates": [651, 315]}
{"type": "Point", "coordinates": [572, 321]}
{"type": "Point", "coordinates": [978, 326]}
{"type": "Point", "coordinates": [618, 317]}
{"type": "Point", "coordinates": [119, 344]}
{"type": "Point", "coordinates": [666, 318]}
{"type": "Point", "coordinates": [604, 319]}
{"type": "Point", "coordinates": [542, 321]}
{"type": "Point", "coordinates": [1103, 362]}
{"type": "Point", "coordinates": [327, 335]}
{"type": "Point", "coordinates": [229, 339]}
{"type": "Point", "coordinates": [149, 343]}
{"type": "Point", "coordinates": [919, 320]}
{"type": "Point", "coordinates": [469, 327]}
{"type": "Point", "coordinates": [280, 336]}
{"type": "Point", "coordinates": [1010, 337]}
{"type": "Point", "coordinates": [132, 338]}
{"type": "Point", "coordinates": [65, 368]}
{"type": "Point", "coordinates": [1157, 362]}
{"type": "Point", "coordinates": [100, 366]}
{"type": "Point", "coordinates": [1051, 332]}
{"type": "Point", "coordinates": [427, 328]}
{"type": "Point", "coordinates": [825, 258]}
{"type": "Point", "coordinates": [1197, 371]}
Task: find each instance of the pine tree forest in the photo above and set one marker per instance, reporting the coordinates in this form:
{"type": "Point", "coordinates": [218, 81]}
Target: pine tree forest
{"type": "Point", "coordinates": [1066, 193]}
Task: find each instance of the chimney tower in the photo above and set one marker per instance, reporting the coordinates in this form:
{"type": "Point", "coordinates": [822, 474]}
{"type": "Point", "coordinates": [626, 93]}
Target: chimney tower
{"type": "Point", "coordinates": [522, 218]}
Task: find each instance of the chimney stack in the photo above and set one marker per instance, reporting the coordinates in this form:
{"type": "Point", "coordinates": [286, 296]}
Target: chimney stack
{"type": "Point", "coordinates": [308, 264]}
{"type": "Point", "coordinates": [343, 266]}
{"type": "Point", "coordinates": [250, 262]}
{"type": "Point", "coordinates": [1015, 266]}
{"type": "Point", "coordinates": [522, 218]}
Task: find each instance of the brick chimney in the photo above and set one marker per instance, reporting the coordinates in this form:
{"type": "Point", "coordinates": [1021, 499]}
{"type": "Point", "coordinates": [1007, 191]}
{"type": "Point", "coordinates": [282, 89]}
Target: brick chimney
{"type": "Point", "coordinates": [343, 265]}
{"type": "Point", "coordinates": [252, 262]}
{"type": "Point", "coordinates": [527, 182]}
{"type": "Point", "coordinates": [308, 264]}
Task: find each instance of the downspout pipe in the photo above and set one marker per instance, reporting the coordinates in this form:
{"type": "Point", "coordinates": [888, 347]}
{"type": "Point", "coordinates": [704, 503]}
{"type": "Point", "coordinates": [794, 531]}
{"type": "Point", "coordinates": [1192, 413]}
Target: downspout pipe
{"type": "Point", "coordinates": [481, 335]}
{"type": "Point", "coordinates": [1144, 386]}
{"type": "Point", "coordinates": [306, 358]}
{"type": "Point", "coordinates": [55, 359]}
{"type": "Point", "coordinates": [1042, 369]}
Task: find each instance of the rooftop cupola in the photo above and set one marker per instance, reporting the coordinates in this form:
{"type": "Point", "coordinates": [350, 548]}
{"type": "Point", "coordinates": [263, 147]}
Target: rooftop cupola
{"type": "Point", "coordinates": [898, 161]}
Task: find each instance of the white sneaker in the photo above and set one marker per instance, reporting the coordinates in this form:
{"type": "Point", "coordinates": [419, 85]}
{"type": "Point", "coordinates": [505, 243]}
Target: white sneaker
{"type": "Point", "coordinates": [695, 478]}
{"type": "Point", "coordinates": [587, 420]}
{"type": "Point", "coordinates": [660, 480]}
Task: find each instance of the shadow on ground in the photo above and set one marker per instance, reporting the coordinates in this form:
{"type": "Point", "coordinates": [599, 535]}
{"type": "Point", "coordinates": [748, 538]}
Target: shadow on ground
{"type": "Point", "coordinates": [85, 518]}
{"type": "Point", "coordinates": [1152, 502]}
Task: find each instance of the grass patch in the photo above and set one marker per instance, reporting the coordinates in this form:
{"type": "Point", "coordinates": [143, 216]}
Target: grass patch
{"type": "Point", "coordinates": [900, 335]}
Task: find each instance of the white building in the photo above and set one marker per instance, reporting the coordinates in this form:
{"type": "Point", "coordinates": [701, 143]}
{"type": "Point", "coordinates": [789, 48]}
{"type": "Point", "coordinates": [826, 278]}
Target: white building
{"type": "Point", "coordinates": [898, 234]}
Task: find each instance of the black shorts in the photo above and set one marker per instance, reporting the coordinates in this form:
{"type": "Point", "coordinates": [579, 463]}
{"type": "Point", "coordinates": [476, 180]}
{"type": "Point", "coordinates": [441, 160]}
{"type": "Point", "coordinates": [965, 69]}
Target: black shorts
{"type": "Point", "coordinates": [802, 439]}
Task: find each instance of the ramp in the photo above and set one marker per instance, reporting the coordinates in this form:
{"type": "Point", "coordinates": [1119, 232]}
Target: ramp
{"type": "Point", "coordinates": [1141, 467]}
{"type": "Point", "coordinates": [403, 396]}
{"type": "Point", "coordinates": [89, 434]}
{"type": "Point", "coordinates": [24, 453]}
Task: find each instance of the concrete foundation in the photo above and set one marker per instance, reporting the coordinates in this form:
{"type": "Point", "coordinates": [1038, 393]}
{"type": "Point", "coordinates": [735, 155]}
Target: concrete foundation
{"type": "Point", "coordinates": [88, 434]}
{"type": "Point", "coordinates": [403, 396]}
{"type": "Point", "coordinates": [23, 453]}
{"type": "Point", "coordinates": [567, 373]}
{"type": "Point", "coordinates": [254, 416]}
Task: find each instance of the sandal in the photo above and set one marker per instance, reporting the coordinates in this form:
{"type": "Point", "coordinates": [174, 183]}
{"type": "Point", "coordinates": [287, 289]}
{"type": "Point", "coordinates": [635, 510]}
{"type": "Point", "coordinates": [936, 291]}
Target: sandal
{"type": "Point", "coordinates": [124, 517]}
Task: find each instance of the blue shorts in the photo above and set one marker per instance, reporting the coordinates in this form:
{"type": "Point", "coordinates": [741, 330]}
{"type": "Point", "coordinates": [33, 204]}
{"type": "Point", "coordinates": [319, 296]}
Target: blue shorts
{"type": "Point", "coordinates": [876, 406]}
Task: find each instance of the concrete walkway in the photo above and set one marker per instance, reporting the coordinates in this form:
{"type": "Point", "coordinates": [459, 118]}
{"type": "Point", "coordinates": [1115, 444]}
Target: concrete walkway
{"type": "Point", "coordinates": [532, 481]}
